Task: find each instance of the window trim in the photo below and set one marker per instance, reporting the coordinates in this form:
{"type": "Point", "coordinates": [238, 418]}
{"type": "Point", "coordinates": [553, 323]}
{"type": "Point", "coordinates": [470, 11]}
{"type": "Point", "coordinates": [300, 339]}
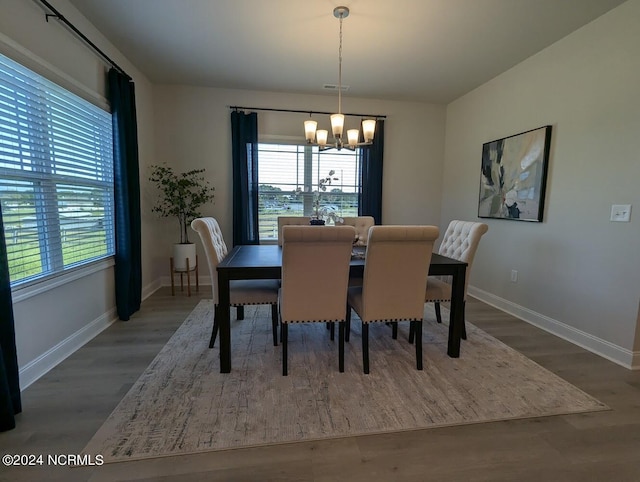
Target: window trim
{"type": "Point", "coordinates": [50, 282]}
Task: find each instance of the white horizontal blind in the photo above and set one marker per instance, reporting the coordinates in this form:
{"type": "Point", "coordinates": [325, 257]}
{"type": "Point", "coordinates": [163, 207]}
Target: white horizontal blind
{"type": "Point", "coordinates": [56, 176]}
{"type": "Point", "coordinates": [284, 168]}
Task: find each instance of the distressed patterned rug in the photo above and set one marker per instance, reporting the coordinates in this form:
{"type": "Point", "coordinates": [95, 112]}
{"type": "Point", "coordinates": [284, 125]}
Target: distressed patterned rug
{"type": "Point", "coordinates": [181, 404]}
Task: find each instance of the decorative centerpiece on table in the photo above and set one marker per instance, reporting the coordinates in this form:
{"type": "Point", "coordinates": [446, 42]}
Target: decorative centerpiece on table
{"type": "Point", "coordinates": [181, 195]}
{"type": "Point", "coordinates": [322, 214]}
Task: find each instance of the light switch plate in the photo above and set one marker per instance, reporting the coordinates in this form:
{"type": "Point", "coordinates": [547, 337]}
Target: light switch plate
{"type": "Point", "coordinates": [621, 212]}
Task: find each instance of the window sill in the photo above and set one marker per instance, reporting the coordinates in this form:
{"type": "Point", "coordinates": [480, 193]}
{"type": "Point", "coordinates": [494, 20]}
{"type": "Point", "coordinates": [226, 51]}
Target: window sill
{"type": "Point", "coordinates": [21, 293]}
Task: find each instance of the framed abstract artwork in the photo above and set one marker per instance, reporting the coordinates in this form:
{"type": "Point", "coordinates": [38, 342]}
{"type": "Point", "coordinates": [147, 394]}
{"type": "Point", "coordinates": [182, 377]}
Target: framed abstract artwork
{"type": "Point", "coordinates": [514, 176]}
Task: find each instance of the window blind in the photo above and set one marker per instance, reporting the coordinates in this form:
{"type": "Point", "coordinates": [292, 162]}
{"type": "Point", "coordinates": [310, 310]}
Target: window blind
{"type": "Point", "coordinates": [56, 176]}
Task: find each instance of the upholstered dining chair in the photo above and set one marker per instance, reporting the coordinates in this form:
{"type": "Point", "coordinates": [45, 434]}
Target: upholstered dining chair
{"type": "Point", "coordinates": [242, 292]}
{"type": "Point", "coordinates": [362, 225]}
{"type": "Point", "coordinates": [291, 221]}
{"type": "Point", "coordinates": [460, 241]}
{"type": "Point", "coordinates": [395, 274]}
{"type": "Point", "coordinates": [315, 276]}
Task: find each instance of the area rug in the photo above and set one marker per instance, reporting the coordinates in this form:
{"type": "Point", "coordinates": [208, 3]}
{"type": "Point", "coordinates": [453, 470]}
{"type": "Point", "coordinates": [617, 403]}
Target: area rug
{"type": "Point", "coordinates": [182, 405]}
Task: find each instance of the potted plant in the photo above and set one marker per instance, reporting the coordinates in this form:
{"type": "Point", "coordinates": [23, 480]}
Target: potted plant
{"type": "Point", "coordinates": [321, 214]}
{"type": "Point", "coordinates": [180, 196]}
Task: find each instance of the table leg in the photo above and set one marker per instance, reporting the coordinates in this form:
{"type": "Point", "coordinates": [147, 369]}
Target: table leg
{"type": "Point", "coordinates": [188, 278]}
{"type": "Point", "coordinates": [197, 278]}
{"type": "Point", "coordinates": [457, 310]}
{"type": "Point", "coordinates": [173, 290]}
{"type": "Point", "coordinates": [224, 325]}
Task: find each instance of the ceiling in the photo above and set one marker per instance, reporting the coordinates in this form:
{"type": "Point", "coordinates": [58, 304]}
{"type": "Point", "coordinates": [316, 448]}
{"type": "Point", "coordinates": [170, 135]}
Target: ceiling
{"type": "Point", "coordinates": [420, 50]}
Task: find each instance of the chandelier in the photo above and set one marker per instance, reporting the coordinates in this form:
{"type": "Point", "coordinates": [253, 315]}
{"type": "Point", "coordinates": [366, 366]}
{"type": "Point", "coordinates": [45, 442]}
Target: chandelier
{"type": "Point", "coordinates": [319, 137]}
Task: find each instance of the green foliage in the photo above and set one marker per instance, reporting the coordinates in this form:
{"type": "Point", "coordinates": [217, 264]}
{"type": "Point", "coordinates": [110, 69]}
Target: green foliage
{"type": "Point", "coordinates": [181, 195]}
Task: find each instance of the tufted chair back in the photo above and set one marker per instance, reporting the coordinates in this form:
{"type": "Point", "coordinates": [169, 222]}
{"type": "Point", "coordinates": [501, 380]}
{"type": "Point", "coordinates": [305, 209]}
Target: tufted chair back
{"type": "Point", "coordinates": [460, 241]}
{"type": "Point", "coordinates": [315, 273]}
{"type": "Point", "coordinates": [395, 273]}
{"type": "Point", "coordinates": [214, 247]}
{"type": "Point", "coordinates": [291, 221]}
{"type": "Point", "coordinates": [362, 225]}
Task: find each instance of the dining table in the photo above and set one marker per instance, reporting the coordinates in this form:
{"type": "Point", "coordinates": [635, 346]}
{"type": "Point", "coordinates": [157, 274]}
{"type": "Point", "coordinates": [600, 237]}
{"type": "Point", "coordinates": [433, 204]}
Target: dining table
{"type": "Point", "coordinates": [264, 261]}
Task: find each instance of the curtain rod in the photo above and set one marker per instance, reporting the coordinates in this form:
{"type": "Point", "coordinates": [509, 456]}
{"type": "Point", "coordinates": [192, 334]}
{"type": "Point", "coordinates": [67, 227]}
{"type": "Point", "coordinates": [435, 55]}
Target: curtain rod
{"type": "Point", "coordinates": [62, 18]}
{"type": "Point", "coordinates": [236, 107]}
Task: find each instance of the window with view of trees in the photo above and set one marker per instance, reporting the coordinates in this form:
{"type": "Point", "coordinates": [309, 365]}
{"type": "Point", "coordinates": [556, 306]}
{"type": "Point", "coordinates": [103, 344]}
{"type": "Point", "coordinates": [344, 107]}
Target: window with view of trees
{"type": "Point", "coordinates": [56, 176]}
{"type": "Point", "coordinates": [288, 175]}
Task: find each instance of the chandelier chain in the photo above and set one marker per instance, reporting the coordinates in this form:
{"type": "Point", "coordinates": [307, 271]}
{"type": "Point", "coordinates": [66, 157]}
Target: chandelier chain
{"type": "Point", "coordinates": [340, 69]}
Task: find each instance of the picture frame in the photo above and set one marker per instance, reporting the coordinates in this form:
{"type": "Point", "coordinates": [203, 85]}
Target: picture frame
{"type": "Point", "coordinates": [513, 176]}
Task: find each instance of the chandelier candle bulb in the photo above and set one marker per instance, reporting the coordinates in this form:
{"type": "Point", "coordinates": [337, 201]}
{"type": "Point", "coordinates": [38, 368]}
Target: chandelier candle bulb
{"type": "Point", "coordinates": [310, 130]}
{"type": "Point", "coordinates": [352, 136]}
{"type": "Point", "coordinates": [368, 129]}
{"type": "Point", "coordinates": [337, 124]}
{"type": "Point", "coordinates": [321, 136]}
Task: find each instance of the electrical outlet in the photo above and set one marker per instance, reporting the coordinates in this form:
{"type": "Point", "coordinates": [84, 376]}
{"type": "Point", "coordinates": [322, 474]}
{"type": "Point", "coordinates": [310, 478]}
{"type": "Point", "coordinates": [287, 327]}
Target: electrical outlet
{"type": "Point", "coordinates": [621, 212]}
{"type": "Point", "coordinates": [514, 276]}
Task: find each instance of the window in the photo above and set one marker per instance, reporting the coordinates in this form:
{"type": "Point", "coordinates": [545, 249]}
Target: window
{"type": "Point", "coordinates": [288, 175]}
{"type": "Point", "coordinates": [56, 176]}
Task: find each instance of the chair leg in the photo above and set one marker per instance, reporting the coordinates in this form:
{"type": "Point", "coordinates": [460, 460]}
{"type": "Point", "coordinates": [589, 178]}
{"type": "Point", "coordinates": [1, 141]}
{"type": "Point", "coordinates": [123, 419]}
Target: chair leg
{"type": "Point", "coordinates": [274, 323]}
{"type": "Point", "coordinates": [332, 330]}
{"type": "Point", "coordinates": [341, 346]}
{"type": "Point", "coordinates": [214, 331]}
{"type": "Point", "coordinates": [239, 312]}
{"type": "Point", "coordinates": [394, 330]}
{"type": "Point", "coordinates": [365, 347]}
{"type": "Point", "coordinates": [412, 332]}
{"type": "Point", "coordinates": [418, 330]}
{"type": "Point", "coordinates": [436, 304]}
{"type": "Point", "coordinates": [284, 332]}
{"type": "Point", "coordinates": [347, 324]}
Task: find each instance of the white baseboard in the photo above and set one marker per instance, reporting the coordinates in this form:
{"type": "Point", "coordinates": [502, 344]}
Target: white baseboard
{"type": "Point", "coordinates": [617, 354]}
{"type": "Point", "coordinates": [55, 355]}
{"type": "Point", "coordinates": [151, 288]}
{"type": "Point", "coordinates": [52, 357]}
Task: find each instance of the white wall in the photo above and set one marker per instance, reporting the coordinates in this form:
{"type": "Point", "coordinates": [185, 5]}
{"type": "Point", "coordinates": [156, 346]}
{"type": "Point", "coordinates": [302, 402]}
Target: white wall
{"type": "Point", "coordinates": [578, 273]}
{"type": "Point", "coordinates": [193, 130]}
{"type": "Point", "coordinates": [52, 324]}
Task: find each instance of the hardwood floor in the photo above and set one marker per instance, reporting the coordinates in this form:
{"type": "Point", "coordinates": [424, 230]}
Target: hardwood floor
{"type": "Point", "coordinates": [63, 410]}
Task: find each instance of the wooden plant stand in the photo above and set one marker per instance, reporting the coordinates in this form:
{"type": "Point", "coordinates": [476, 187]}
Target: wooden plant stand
{"type": "Point", "coordinates": [187, 272]}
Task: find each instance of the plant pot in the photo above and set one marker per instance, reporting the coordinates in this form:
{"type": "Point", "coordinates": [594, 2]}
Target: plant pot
{"type": "Point", "coordinates": [182, 252]}
{"type": "Point", "coordinates": [317, 222]}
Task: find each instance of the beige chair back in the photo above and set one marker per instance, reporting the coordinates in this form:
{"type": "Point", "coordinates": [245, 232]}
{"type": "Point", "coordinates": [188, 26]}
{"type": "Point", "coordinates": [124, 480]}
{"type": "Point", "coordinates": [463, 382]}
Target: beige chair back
{"type": "Point", "coordinates": [362, 225]}
{"type": "Point", "coordinates": [395, 272]}
{"type": "Point", "coordinates": [315, 273]}
{"type": "Point", "coordinates": [214, 247]}
{"type": "Point", "coordinates": [461, 241]}
{"type": "Point", "coordinates": [291, 221]}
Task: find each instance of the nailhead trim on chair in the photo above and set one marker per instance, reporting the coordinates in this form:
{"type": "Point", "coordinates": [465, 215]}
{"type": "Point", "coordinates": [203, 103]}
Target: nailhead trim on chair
{"type": "Point", "coordinates": [248, 304]}
{"type": "Point", "coordinates": [313, 321]}
{"type": "Point", "coordinates": [393, 320]}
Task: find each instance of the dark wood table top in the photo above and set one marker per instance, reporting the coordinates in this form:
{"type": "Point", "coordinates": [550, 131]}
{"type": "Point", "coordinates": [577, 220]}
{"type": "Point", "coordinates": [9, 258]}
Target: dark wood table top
{"type": "Point", "coordinates": [269, 256]}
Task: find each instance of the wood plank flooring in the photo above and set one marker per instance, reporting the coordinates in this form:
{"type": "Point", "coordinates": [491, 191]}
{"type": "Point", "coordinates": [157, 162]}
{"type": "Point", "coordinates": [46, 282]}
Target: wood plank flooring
{"type": "Point", "coordinates": [64, 409]}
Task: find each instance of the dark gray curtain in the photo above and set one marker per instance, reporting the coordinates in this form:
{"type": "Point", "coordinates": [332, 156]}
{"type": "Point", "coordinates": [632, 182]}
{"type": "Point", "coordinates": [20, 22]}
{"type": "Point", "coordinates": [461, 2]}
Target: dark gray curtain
{"type": "Point", "coordinates": [10, 402]}
{"type": "Point", "coordinates": [128, 267]}
{"type": "Point", "coordinates": [370, 202]}
{"type": "Point", "coordinates": [244, 140]}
